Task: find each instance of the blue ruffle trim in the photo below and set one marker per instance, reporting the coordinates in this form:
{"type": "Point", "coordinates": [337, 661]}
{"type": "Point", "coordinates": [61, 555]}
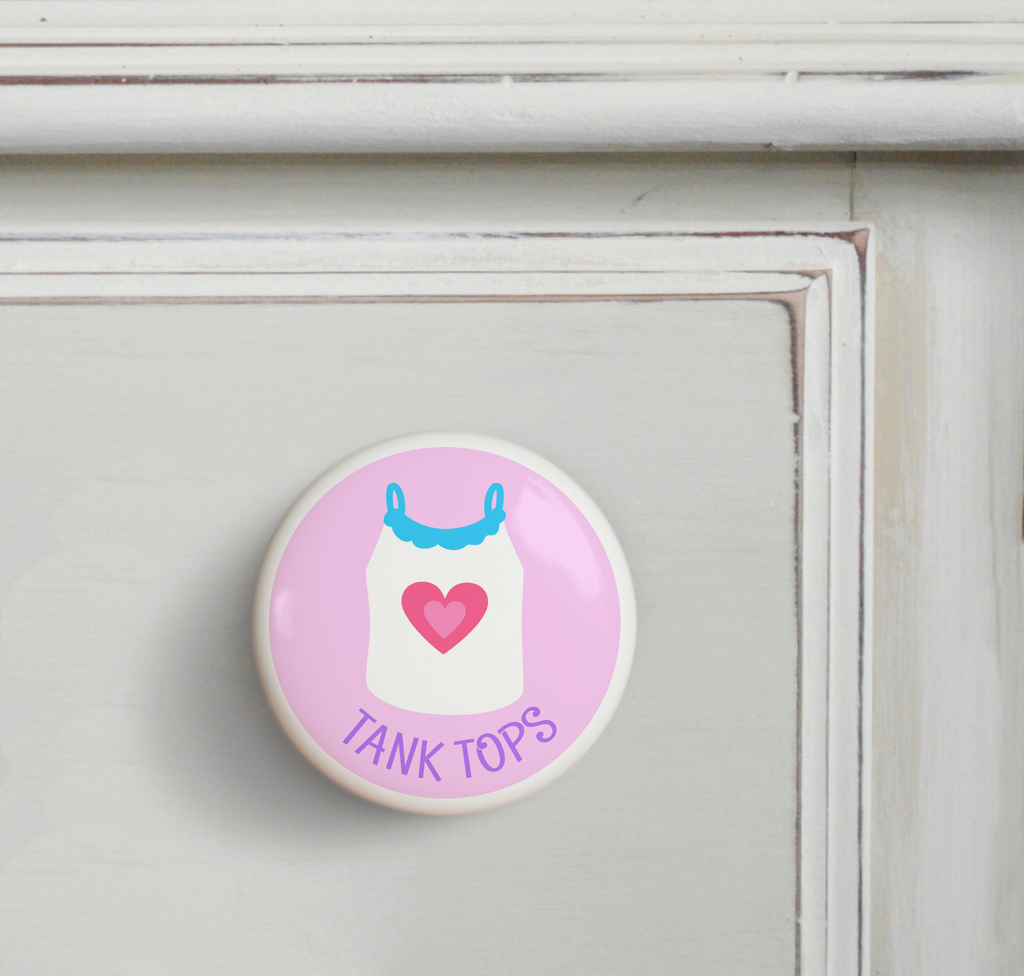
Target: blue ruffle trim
{"type": "Point", "coordinates": [426, 536]}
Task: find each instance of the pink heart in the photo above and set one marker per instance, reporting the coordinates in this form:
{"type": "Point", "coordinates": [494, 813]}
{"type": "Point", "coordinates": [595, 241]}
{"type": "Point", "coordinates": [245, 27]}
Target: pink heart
{"type": "Point", "coordinates": [442, 620]}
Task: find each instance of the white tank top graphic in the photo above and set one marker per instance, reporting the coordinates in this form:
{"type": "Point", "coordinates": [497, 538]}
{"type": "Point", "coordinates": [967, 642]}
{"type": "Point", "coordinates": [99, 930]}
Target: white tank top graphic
{"type": "Point", "coordinates": [446, 612]}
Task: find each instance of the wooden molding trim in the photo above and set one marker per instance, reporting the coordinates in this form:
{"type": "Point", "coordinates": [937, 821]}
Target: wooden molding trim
{"type": "Point", "coordinates": [318, 76]}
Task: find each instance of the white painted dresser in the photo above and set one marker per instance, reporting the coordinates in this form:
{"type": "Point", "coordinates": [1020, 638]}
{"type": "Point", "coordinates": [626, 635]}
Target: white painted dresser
{"type": "Point", "coordinates": [186, 192]}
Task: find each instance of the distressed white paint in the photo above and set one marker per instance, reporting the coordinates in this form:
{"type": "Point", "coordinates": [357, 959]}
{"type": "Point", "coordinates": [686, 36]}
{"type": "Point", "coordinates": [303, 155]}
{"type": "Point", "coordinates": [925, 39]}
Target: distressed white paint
{"type": "Point", "coordinates": [949, 673]}
{"type": "Point", "coordinates": [41, 196]}
{"type": "Point", "coordinates": [309, 76]}
{"type": "Point", "coordinates": [948, 875]}
{"type": "Point", "coordinates": [632, 266]}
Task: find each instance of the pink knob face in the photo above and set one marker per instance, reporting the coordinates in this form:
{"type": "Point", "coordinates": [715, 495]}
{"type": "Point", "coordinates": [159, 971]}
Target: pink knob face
{"type": "Point", "coordinates": [431, 659]}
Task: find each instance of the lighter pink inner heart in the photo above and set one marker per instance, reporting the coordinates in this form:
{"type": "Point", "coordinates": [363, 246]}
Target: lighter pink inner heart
{"type": "Point", "coordinates": [444, 619]}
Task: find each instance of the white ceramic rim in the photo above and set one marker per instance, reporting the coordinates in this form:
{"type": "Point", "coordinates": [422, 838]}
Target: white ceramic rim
{"type": "Point", "coordinates": [308, 746]}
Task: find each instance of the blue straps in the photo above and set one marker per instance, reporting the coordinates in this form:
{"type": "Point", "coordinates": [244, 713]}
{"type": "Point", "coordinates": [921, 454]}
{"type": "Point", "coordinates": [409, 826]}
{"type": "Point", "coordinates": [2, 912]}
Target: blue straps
{"type": "Point", "coordinates": [426, 537]}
